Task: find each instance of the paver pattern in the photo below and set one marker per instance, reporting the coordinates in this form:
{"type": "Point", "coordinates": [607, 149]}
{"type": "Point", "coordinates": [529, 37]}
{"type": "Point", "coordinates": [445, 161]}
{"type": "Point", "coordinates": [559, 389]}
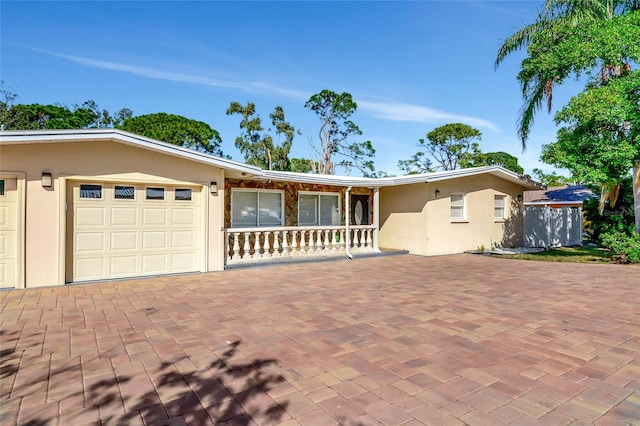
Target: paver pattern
{"type": "Point", "coordinates": [408, 340]}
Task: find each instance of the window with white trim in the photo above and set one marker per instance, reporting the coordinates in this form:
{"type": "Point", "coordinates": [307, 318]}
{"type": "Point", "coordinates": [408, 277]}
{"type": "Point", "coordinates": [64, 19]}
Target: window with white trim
{"type": "Point", "coordinates": [318, 209]}
{"type": "Point", "coordinates": [256, 208]}
{"type": "Point", "coordinates": [499, 207]}
{"type": "Point", "coordinates": [457, 207]}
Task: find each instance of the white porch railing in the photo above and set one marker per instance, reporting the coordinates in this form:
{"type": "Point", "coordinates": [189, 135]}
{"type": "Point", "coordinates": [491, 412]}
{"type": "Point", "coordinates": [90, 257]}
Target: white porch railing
{"type": "Point", "coordinates": [248, 245]}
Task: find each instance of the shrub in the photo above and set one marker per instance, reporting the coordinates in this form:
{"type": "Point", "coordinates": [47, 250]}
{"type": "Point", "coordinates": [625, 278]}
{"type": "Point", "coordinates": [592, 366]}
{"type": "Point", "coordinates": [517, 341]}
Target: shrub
{"type": "Point", "coordinates": [626, 247]}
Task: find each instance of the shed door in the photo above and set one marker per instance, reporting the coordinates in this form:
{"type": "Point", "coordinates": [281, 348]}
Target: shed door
{"type": "Point", "coordinates": [8, 232]}
{"type": "Point", "coordinates": [130, 230]}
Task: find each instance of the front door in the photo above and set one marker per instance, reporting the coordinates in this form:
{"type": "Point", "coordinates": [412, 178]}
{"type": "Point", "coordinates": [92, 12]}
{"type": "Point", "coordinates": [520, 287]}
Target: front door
{"type": "Point", "coordinates": [360, 210]}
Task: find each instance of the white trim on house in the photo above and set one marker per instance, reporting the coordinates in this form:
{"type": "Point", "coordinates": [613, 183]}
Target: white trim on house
{"type": "Point", "coordinates": [22, 137]}
{"type": "Point", "coordinates": [398, 180]}
{"type": "Point", "coordinates": [15, 137]}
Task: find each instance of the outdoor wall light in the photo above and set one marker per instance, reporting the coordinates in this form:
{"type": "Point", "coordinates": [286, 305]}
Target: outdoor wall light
{"type": "Point", "coordinates": [437, 193]}
{"type": "Point", "coordinates": [213, 187]}
{"type": "Point", "coordinates": [47, 181]}
{"type": "Point", "coordinates": [519, 198]}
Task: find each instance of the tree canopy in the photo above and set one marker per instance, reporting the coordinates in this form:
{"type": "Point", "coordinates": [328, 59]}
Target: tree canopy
{"type": "Point", "coordinates": [334, 111]}
{"type": "Point", "coordinates": [256, 144]}
{"type": "Point", "coordinates": [177, 130]}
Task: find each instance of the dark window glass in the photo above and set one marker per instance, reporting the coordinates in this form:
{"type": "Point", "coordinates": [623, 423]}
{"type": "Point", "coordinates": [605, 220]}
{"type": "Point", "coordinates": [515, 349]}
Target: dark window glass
{"type": "Point", "coordinates": [155, 193]}
{"type": "Point", "coordinates": [183, 194]}
{"type": "Point", "coordinates": [90, 191]}
{"type": "Point", "coordinates": [124, 192]}
{"type": "Point", "coordinates": [1, 186]}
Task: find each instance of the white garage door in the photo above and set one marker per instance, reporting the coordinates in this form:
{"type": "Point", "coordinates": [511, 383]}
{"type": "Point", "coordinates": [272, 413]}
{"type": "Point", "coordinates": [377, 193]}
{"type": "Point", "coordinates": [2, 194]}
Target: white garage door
{"type": "Point", "coordinates": [8, 232]}
{"type": "Point", "coordinates": [129, 230]}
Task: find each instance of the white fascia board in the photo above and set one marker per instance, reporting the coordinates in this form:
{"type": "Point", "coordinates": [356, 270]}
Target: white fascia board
{"type": "Point", "coordinates": [320, 179]}
{"type": "Point", "coordinates": [14, 137]}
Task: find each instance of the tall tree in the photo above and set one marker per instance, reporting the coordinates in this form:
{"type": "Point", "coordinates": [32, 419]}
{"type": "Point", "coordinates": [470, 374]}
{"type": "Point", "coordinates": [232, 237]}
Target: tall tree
{"type": "Point", "coordinates": [177, 130]}
{"type": "Point", "coordinates": [498, 158]}
{"type": "Point", "coordinates": [334, 111]}
{"type": "Point", "coordinates": [551, 179]}
{"type": "Point", "coordinates": [452, 145]}
{"type": "Point", "coordinates": [39, 117]}
{"type": "Point", "coordinates": [555, 21]}
{"type": "Point", "coordinates": [417, 164]}
{"type": "Point", "coordinates": [258, 146]}
{"type": "Point", "coordinates": [571, 37]}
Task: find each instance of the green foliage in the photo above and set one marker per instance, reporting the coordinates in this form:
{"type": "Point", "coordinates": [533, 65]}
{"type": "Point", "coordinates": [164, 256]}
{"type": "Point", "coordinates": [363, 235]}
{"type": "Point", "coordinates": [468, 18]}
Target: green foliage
{"type": "Point", "coordinates": [571, 37]}
{"type": "Point", "coordinates": [177, 130]}
{"type": "Point", "coordinates": [626, 247]}
{"type": "Point", "coordinates": [551, 179]}
{"type": "Point", "coordinates": [40, 117]}
{"type": "Point", "coordinates": [258, 146]}
{"type": "Point", "coordinates": [613, 219]}
{"type": "Point", "coordinates": [334, 111]}
{"type": "Point", "coordinates": [452, 145]}
{"type": "Point", "coordinates": [418, 163]}
{"type": "Point", "coordinates": [300, 165]}
{"type": "Point", "coordinates": [600, 139]}
{"type": "Point", "coordinates": [499, 158]}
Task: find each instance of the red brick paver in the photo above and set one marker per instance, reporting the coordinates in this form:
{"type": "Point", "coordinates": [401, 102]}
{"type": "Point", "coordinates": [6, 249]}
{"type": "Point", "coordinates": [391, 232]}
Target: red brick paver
{"type": "Point", "coordinates": [390, 340]}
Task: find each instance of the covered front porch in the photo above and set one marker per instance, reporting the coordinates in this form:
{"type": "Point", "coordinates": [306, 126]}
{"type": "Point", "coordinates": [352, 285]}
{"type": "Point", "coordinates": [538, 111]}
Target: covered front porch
{"type": "Point", "coordinates": [285, 218]}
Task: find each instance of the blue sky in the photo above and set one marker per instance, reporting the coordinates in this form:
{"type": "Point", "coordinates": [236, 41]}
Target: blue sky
{"type": "Point", "coordinates": [410, 66]}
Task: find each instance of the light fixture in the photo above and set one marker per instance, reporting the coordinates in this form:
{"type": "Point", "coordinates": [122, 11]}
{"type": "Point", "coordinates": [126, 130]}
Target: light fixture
{"type": "Point", "coordinates": [519, 198]}
{"type": "Point", "coordinates": [213, 187]}
{"type": "Point", "coordinates": [47, 182]}
{"type": "Point", "coordinates": [437, 193]}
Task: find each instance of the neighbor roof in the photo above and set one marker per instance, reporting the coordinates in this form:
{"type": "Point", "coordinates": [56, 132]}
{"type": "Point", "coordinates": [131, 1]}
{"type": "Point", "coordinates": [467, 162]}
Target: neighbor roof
{"type": "Point", "coordinates": [574, 194]}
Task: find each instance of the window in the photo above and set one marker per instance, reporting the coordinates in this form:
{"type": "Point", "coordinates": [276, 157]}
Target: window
{"type": "Point", "coordinates": [155, 193]}
{"type": "Point", "coordinates": [256, 208]}
{"type": "Point", "coordinates": [124, 192]}
{"type": "Point", "coordinates": [318, 209]}
{"type": "Point", "coordinates": [90, 191]}
{"type": "Point", "coordinates": [182, 194]}
{"type": "Point", "coordinates": [457, 206]}
{"type": "Point", "coordinates": [1, 186]}
{"type": "Point", "coordinates": [499, 206]}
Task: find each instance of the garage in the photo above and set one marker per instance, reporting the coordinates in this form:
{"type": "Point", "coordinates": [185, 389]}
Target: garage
{"type": "Point", "coordinates": [118, 230]}
{"type": "Point", "coordinates": [9, 232]}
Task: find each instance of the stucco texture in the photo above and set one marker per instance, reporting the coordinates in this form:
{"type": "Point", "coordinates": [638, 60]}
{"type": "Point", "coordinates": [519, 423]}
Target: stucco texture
{"type": "Point", "coordinates": [414, 218]}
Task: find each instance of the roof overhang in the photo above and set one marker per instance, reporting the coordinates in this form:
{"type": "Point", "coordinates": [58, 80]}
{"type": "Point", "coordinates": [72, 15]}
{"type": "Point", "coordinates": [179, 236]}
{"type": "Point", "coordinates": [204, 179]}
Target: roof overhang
{"type": "Point", "coordinates": [497, 171]}
{"type": "Point", "coordinates": [23, 137]}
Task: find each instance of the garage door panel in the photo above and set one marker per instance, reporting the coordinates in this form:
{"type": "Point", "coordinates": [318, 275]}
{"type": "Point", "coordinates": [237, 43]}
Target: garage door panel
{"type": "Point", "coordinates": [5, 217]}
{"type": "Point", "coordinates": [8, 240]}
{"type": "Point", "coordinates": [90, 242]}
{"type": "Point", "coordinates": [183, 217]}
{"type": "Point", "coordinates": [91, 268]}
{"type": "Point", "coordinates": [155, 264]}
{"type": "Point", "coordinates": [121, 216]}
{"type": "Point", "coordinates": [120, 236]}
{"type": "Point", "coordinates": [183, 239]}
{"type": "Point", "coordinates": [124, 241]}
{"type": "Point", "coordinates": [154, 216]}
{"type": "Point", "coordinates": [124, 266]}
{"type": "Point", "coordinates": [154, 240]}
{"type": "Point", "coordinates": [183, 262]}
{"type": "Point", "coordinates": [90, 216]}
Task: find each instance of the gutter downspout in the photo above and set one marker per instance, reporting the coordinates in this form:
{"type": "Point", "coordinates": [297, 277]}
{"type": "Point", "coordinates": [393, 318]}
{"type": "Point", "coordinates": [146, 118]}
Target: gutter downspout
{"type": "Point", "coordinates": [347, 218]}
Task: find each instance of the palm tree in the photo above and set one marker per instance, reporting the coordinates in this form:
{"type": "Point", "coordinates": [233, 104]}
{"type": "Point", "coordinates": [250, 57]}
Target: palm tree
{"type": "Point", "coordinates": [537, 86]}
{"type": "Point", "coordinates": [556, 14]}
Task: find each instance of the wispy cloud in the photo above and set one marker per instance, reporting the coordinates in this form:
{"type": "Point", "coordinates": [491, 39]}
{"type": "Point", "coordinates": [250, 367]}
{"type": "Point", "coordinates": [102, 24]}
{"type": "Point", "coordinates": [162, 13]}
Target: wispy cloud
{"type": "Point", "coordinates": [393, 111]}
{"type": "Point", "coordinates": [248, 86]}
{"type": "Point", "coordinates": [396, 111]}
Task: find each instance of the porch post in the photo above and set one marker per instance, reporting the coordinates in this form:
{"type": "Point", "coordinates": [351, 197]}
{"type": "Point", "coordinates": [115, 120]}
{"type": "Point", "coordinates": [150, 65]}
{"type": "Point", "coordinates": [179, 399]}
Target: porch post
{"type": "Point", "coordinates": [376, 218]}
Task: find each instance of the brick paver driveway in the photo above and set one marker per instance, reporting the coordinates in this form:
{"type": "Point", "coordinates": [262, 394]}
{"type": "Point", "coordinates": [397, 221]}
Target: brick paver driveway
{"type": "Point", "coordinates": [392, 340]}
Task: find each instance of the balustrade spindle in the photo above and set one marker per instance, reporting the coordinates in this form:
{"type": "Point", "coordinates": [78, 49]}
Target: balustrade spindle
{"type": "Point", "coordinates": [236, 246]}
{"type": "Point", "coordinates": [276, 243]}
{"type": "Point", "coordinates": [334, 243]}
{"type": "Point", "coordinates": [247, 246]}
{"type": "Point", "coordinates": [302, 242]}
{"type": "Point", "coordinates": [256, 246]}
{"type": "Point", "coordinates": [285, 244]}
{"type": "Point", "coordinates": [369, 238]}
{"type": "Point", "coordinates": [266, 251]}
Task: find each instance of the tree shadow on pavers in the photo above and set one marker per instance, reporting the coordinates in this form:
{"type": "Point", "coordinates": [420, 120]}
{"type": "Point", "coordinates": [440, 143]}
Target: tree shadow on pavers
{"type": "Point", "coordinates": [222, 390]}
{"type": "Point", "coordinates": [9, 360]}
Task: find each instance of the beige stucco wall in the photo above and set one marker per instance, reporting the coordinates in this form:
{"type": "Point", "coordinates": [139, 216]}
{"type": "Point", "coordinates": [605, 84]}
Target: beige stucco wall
{"type": "Point", "coordinates": [99, 161]}
{"type": "Point", "coordinates": [412, 218]}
